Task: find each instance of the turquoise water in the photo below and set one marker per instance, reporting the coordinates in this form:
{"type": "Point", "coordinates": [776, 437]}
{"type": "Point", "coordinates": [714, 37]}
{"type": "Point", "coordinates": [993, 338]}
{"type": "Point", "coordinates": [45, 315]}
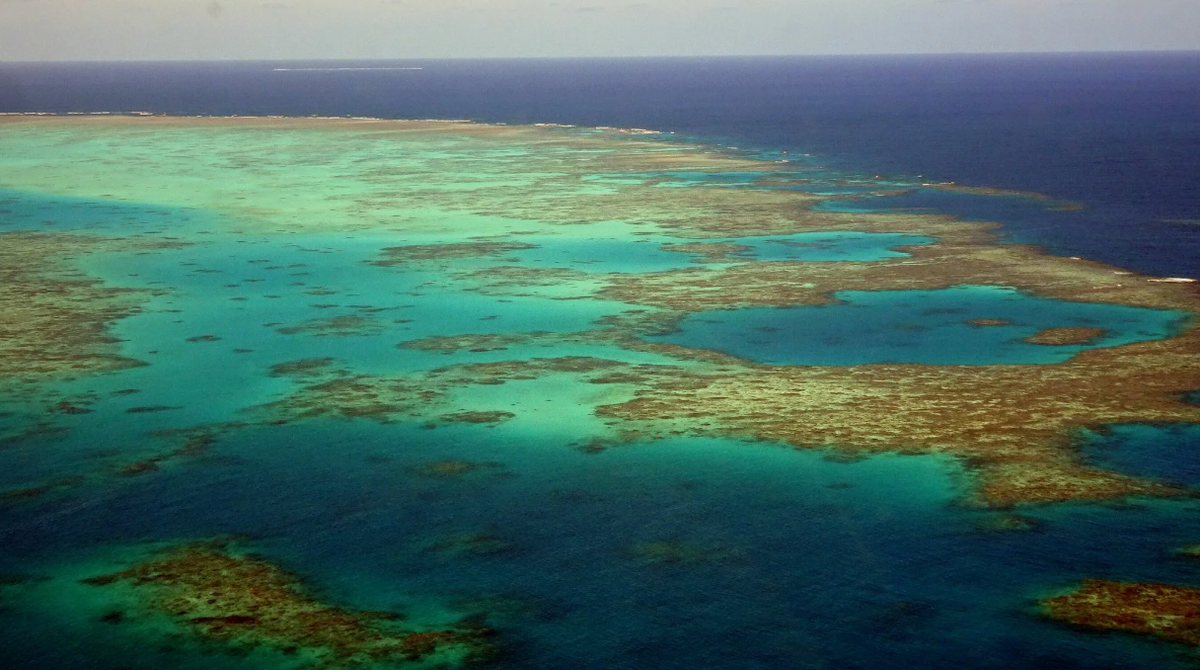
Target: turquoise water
{"type": "Point", "coordinates": [785, 558]}
{"type": "Point", "coordinates": [917, 327]}
{"type": "Point", "coordinates": [835, 246]}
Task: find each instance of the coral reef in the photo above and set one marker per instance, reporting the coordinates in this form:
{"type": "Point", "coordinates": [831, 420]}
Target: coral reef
{"type": "Point", "coordinates": [242, 599]}
{"type": "Point", "coordinates": [457, 469]}
{"type": "Point", "coordinates": [346, 325]}
{"type": "Point", "coordinates": [455, 250]}
{"type": "Point", "coordinates": [934, 266]}
{"type": "Point", "coordinates": [1068, 335]}
{"type": "Point", "coordinates": [712, 252]}
{"type": "Point", "coordinates": [305, 367]}
{"type": "Point", "coordinates": [53, 318]}
{"type": "Point", "coordinates": [1012, 426]}
{"type": "Point", "coordinates": [1162, 610]}
{"type": "Point", "coordinates": [484, 417]}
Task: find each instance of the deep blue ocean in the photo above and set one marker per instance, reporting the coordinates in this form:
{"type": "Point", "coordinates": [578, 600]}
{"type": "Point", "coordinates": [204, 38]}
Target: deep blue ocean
{"type": "Point", "coordinates": [1118, 133]}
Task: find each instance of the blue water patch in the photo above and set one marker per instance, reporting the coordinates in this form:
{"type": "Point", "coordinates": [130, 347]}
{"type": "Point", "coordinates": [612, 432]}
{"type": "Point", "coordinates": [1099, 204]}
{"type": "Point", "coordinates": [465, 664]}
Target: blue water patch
{"type": "Point", "coordinates": [833, 246]}
{"type": "Point", "coordinates": [1169, 451]}
{"type": "Point", "coordinates": [928, 327]}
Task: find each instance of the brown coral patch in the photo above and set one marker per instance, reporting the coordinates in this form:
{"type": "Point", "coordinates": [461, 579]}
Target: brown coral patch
{"type": "Point", "coordinates": [988, 323]}
{"type": "Point", "coordinates": [336, 326]}
{"type": "Point", "coordinates": [346, 396]}
{"type": "Point", "coordinates": [1162, 610]}
{"type": "Point", "coordinates": [433, 252]}
{"type": "Point", "coordinates": [53, 318]}
{"type": "Point", "coordinates": [1012, 424]}
{"type": "Point", "coordinates": [192, 443]}
{"type": "Point", "coordinates": [478, 342]}
{"type": "Point", "coordinates": [514, 279]}
{"type": "Point", "coordinates": [712, 252]}
{"type": "Point", "coordinates": [455, 469]}
{"type": "Point", "coordinates": [1068, 335]}
{"type": "Point", "coordinates": [491, 418]}
{"type": "Point", "coordinates": [58, 485]}
{"type": "Point", "coordinates": [305, 367]}
{"type": "Point", "coordinates": [244, 600]}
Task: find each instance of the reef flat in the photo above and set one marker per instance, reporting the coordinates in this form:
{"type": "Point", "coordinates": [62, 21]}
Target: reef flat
{"type": "Point", "coordinates": [431, 362]}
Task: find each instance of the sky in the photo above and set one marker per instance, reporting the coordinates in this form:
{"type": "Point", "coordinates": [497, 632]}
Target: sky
{"type": "Point", "coordinates": [334, 29]}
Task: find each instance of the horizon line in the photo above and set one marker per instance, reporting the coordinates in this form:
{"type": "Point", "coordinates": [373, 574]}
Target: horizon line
{"type": "Point", "coordinates": [361, 59]}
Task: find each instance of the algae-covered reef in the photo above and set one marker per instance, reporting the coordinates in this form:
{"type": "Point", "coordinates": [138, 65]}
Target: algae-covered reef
{"type": "Point", "coordinates": [238, 599]}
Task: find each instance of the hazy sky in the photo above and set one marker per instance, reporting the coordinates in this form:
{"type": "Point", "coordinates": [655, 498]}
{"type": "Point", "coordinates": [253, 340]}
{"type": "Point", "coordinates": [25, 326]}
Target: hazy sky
{"type": "Point", "coordinates": [248, 29]}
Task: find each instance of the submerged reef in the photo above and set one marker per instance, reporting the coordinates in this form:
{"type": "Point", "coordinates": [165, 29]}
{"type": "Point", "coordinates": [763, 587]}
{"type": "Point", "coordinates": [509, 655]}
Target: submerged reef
{"type": "Point", "coordinates": [241, 599]}
{"type": "Point", "coordinates": [712, 252]}
{"type": "Point", "coordinates": [450, 251]}
{"type": "Point", "coordinates": [54, 319]}
{"type": "Point", "coordinates": [347, 325]}
{"type": "Point", "coordinates": [665, 552]}
{"type": "Point", "coordinates": [1161, 610]}
{"type": "Point", "coordinates": [1065, 336]}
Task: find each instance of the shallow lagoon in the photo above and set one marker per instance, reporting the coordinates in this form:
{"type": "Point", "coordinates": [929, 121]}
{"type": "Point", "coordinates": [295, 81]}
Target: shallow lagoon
{"type": "Point", "coordinates": [930, 327]}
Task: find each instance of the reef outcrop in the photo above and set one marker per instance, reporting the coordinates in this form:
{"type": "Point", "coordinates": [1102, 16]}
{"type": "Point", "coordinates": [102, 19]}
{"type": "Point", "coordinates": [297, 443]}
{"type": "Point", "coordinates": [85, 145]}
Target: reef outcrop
{"type": "Point", "coordinates": [1165, 611]}
{"type": "Point", "coordinates": [241, 599]}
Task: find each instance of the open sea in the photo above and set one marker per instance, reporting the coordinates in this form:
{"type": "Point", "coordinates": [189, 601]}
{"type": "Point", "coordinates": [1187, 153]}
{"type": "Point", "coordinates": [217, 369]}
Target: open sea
{"type": "Point", "coordinates": [1119, 133]}
{"type": "Point", "coordinates": [692, 552]}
